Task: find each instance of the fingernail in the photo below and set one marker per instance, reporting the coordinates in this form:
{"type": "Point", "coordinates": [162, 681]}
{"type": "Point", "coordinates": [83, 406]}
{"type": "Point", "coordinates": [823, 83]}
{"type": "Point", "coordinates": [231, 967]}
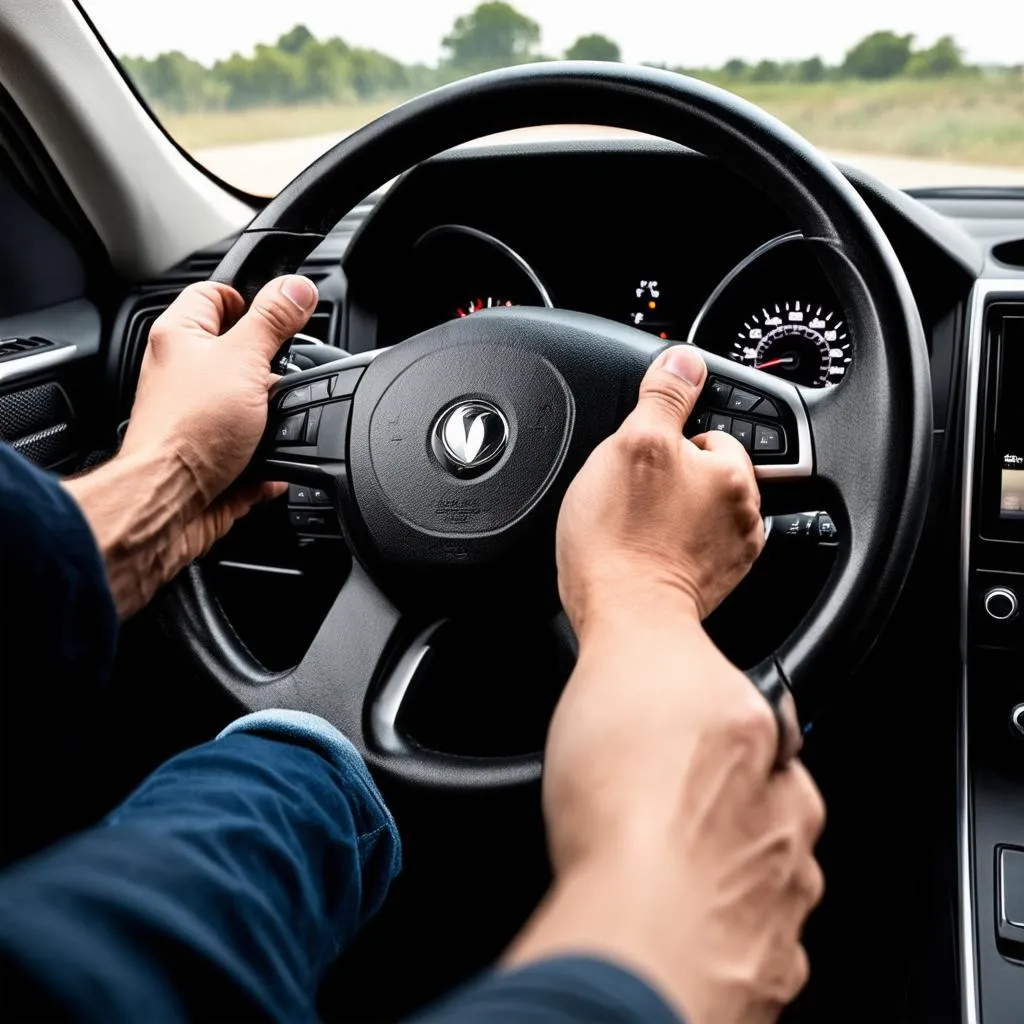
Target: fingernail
{"type": "Point", "coordinates": [300, 291]}
{"type": "Point", "coordinates": [686, 362]}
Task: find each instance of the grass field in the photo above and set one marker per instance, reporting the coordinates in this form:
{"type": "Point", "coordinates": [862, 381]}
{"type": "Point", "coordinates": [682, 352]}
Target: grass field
{"type": "Point", "coordinates": [973, 119]}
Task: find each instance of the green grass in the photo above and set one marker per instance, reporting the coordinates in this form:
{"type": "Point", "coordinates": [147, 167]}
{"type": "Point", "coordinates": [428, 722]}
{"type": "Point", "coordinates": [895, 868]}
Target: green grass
{"type": "Point", "coordinates": [972, 119]}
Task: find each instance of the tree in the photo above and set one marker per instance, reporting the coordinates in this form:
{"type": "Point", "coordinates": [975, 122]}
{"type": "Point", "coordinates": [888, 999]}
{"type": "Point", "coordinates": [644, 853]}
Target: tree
{"type": "Point", "coordinates": [492, 36]}
{"type": "Point", "coordinates": [811, 70]}
{"type": "Point", "coordinates": [295, 39]}
{"type": "Point", "coordinates": [767, 71]}
{"type": "Point", "coordinates": [942, 58]}
{"type": "Point", "coordinates": [736, 68]}
{"type": "Point", "coordinates": [594, 47]}
{"type": "Point", "coordinates": [879, 55]}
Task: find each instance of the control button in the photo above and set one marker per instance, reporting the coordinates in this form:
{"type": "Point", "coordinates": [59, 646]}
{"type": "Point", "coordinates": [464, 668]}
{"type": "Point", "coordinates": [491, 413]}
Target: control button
{"type": "Point", "coordinates": [298, 495]}
{"type": "Point", "coordinates": [319, 496]}
{"type": "Point", "coordinates": [344, 383]}
{"type": "Point", "coordinates": [827, 532]}
{"type": "Point", "coordinates": [767, 439]}
{"type": "Point", "coordinates": [298, 519]}
{"type": "Point", "coordinates": [742, 401]}
{"type": "Point", "coordinates": [295, 397]}
{"type": "Point", "coordinates": [767, 408]}
{"type": "Point", "coordinates": [320, 522]}
{"type": "Point", "coordinates": [719, 422]}
{"type": "Point", "coordinates": [742, 430]}
{"type": "Point", "coordinates": [1001, 604]}
{"type": "Point", "coordinates": [313, 427]}
{"type": "Point", "coordinates": [1017, 718]}
{"type": "Point", "coordinates": [319, 391]}
{"type": "Point", "coordinates": [719, 392]}
{"type": "Point", "coordinates": [289, 431]}
{"type": "Point", "coordinates": [698, 423]}
{"type": "Point", "coordinates": [1011, 884]}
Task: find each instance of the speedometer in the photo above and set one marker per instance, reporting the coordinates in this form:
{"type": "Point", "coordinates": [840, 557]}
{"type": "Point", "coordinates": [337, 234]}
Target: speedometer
{"type": "Point", "coordinates": [801, 341]}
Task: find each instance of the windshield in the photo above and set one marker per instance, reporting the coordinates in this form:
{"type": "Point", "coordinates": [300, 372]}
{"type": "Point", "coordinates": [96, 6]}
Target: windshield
{"type": "Point", "coordinates": [917, 93]}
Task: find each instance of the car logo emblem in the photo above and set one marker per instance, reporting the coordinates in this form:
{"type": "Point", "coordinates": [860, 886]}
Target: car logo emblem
{"type": "Point", "coordinates": [472, 435]}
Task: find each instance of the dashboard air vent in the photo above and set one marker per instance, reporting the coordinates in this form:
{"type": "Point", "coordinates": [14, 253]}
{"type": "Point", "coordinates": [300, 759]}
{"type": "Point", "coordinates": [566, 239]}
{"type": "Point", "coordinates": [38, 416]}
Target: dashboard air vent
{"type": "Point", "coordinates": [10, 347]}
{"type": "Point", "coordinates": [136, 335]}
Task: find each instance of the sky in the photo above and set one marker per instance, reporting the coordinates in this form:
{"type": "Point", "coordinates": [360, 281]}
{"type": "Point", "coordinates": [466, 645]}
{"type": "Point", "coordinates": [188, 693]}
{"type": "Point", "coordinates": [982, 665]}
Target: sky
{"type": "Point", "coordinates": [690, 33]}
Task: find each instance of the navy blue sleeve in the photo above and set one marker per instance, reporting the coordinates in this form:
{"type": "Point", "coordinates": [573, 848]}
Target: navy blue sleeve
{"type": "Point", "coordinates": [58, 628]}
{"type": "Point", "coordinates": [567, 990]}
{"type": "Point", "coordinates": [220, 890]}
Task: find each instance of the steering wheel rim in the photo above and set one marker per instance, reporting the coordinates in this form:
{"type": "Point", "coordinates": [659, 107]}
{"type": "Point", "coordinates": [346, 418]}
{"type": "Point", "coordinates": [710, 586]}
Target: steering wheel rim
{"type": "Point", "coordinates": [879, 475]}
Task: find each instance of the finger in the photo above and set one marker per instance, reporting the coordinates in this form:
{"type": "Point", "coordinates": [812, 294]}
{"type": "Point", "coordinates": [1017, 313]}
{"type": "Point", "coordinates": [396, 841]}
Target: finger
{"type": "Point", "coordinates": [280, 309]}
{"type": "Point", "coordinates": [206, 306]}
{"type": "Point", "coordinates": [720, 442]}
{"type": "Point", "coordinates": [670, 389]}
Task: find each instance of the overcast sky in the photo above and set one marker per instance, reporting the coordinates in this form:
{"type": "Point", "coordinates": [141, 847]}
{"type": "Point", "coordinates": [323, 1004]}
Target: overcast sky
{"type": "Point", "coordinates": [677, 32]}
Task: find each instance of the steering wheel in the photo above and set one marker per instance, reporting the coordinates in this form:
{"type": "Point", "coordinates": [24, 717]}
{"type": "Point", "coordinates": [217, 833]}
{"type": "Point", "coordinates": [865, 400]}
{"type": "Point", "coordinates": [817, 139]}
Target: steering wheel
{"type": "Point", "coordinates": [449, 453]}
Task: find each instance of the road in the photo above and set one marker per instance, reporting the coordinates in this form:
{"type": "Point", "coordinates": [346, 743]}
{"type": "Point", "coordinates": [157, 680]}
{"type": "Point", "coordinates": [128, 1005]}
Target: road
{"type": "Point", "coordinates": [264, 167]}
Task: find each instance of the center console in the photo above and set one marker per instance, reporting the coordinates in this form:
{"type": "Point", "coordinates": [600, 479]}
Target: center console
{"type": "Point", "coordinates": [992, 713]}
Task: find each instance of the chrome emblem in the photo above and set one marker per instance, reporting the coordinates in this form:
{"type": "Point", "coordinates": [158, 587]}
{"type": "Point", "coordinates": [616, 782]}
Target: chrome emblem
{"type": "Point", "coordinates": [472, 434]}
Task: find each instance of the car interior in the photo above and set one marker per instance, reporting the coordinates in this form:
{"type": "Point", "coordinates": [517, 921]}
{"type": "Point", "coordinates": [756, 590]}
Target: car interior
{"type": "Point", "coordinates": [404, 587]}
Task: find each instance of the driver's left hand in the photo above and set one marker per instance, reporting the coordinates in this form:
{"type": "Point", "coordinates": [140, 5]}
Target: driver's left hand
{"type": "Point", "coordinates": [202, 394]}
{"type": "Point", "coordinates": [200, 411]}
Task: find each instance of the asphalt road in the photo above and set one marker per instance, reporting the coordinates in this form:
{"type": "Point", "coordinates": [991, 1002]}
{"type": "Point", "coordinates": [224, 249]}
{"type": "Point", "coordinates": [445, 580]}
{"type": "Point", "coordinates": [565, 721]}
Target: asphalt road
{"type": "Point", "coordinates": [264, 167]}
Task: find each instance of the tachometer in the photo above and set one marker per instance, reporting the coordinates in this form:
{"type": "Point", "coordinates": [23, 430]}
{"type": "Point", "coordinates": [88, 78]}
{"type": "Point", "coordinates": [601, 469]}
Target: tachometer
{"type": "Point", "coordinates": [801, 341]}
{"type": "Point", "coordinates": [486, 302]}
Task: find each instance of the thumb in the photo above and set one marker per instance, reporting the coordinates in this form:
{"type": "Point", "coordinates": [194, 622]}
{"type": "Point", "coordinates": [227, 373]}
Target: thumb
{"type": "Point", "coordinates": [280, 309]}
{"type": "Point", "coordinates": [670, 389]}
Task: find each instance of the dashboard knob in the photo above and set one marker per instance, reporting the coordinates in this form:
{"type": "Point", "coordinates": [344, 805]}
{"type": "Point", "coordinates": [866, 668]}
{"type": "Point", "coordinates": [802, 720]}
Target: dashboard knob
{"type": "Point", "coordinates": [1001, 604]}
{"type": "Point", "coordinates": [1017, 718]}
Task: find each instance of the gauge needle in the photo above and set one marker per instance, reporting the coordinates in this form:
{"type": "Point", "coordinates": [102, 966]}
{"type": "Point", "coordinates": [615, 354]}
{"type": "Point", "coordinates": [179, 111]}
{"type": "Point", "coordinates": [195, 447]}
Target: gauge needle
{"type": "Point", "coordinates": [781, 361]}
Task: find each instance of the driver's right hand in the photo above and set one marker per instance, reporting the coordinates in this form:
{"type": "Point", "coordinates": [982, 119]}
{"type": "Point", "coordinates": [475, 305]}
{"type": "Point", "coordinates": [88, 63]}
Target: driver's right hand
{"type": "Point", "coordinates": [681, 848]}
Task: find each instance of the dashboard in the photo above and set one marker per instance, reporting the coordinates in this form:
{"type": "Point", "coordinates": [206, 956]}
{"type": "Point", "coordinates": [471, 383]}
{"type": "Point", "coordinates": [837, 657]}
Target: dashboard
{"type": "Point", "coordinates": [635, 242]}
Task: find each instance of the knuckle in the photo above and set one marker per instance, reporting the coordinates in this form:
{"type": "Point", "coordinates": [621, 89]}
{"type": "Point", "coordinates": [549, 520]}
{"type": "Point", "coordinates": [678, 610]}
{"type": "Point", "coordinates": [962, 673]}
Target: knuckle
{"type": "Point", "coordinates": [800, 972]}
{"type": "Point", "coordinates": [752, 726]}
{"type": "Point", "coordinates": [814, 883]}
{"type": "Point", "coordinates": [668, 393]}
{"type": "Point", "coordinates": [643, 446]}
{"type": "Point", "coordinates": [276, 317]}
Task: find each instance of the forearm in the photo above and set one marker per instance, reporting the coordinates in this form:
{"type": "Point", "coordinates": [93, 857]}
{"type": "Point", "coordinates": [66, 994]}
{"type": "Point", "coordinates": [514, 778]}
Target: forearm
{"type": "Point", "coordinates": [220, 889]}
{"type": "Point", "coordinates": [643, 808]}
{"type": "Point", "coordinates": [137, 506]}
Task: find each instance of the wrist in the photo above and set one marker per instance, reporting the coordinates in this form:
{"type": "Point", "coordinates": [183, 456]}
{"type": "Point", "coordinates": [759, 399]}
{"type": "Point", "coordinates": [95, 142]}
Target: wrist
{"type": "Point", "coordinates": [136, 505]}
{"type": "Point", "coordinates": [628, 608]}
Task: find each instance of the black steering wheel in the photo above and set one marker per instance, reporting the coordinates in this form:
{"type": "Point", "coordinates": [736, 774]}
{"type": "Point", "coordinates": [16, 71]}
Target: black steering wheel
{"type": "Point", "coordinates": [449, 453]}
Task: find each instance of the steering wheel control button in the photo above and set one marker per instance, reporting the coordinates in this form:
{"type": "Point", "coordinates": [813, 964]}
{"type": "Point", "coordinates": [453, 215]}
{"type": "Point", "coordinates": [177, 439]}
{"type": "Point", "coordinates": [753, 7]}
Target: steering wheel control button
{"type": "Point", "coordinates": [298, 495]}
{"type": "Point", "coordinates": [313, 425]}
{"type": "Point", "coordinates": [291, 430]}
{"type": "Point", "coordinates": [767, 440]}
{"type": "Point", "coordinates": [766, 408]}
{"type": "Point", "coordinates": [826, 527]}
{"type": "Point", "coordinates": [719, 393]}
{"type": "Point", "coordinates": [719, 422]}
{"type": "Point", "coordinates": [295, 398]}
{"type": "Point", "coordinates": [742, 401]}
{"type": "Point", "coordinates": [319, 496]}
{"type": "Point", "coordinates": [471, 436]}
{"type": "Point", "coordinates": [742, 430]}
{"type": "Point", "coordinates": [1001, 604]}
{"type": "Point", "coordinates": [344, 383]}
{"type": "Point", "coordinates": [319, 390]}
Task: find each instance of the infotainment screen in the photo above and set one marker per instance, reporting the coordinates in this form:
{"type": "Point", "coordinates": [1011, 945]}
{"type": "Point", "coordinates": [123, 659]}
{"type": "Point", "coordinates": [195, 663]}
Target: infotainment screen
{"type": "Point", "coordinates": [1003, 487]}
{"type": "Point", "coordinates": [1011, 499]}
